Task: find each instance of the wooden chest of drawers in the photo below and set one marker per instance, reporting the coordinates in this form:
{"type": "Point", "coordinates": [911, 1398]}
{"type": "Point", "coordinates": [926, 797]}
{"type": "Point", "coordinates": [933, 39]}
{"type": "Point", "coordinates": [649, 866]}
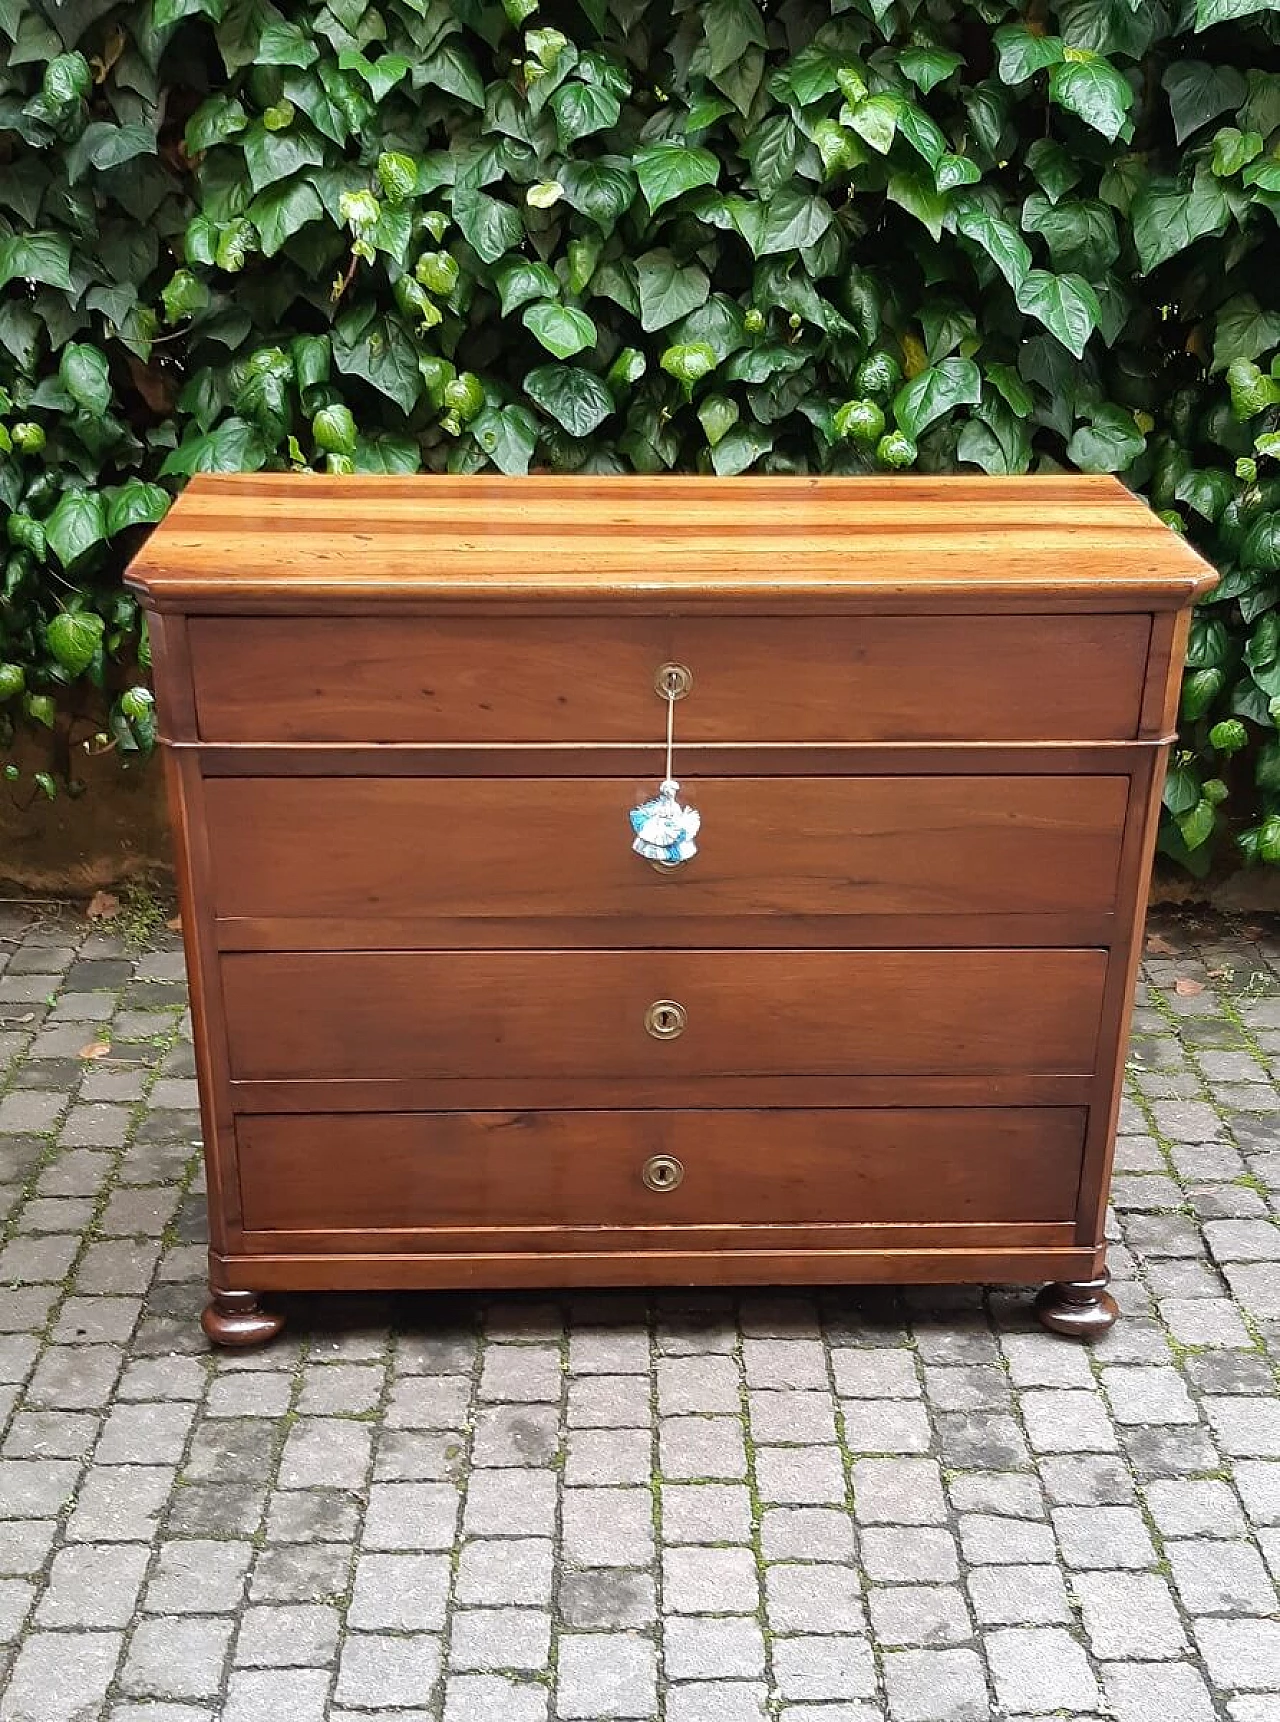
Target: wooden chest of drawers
{"type": "Point", "coordinates": [453, 1031]}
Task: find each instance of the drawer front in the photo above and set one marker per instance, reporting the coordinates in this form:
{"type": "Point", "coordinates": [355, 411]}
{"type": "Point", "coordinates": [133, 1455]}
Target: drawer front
{"type": "Point", "coordinates": [574, 679]}
{"type": "Point", "coordinates": [371, 1016]}
{"type": "Point", "coordinates": [520, 848]}
{"type": "Point", "coordinates": [433, 1172]}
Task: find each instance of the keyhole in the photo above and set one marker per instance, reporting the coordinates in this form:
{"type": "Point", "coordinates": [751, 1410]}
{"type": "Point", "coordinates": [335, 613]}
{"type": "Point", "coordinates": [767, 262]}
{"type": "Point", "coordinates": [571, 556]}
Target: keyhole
{"type": "Point", "coordinates": [665, 1019]}
{"type": "Point", "coordinates": [673, 681]}
{"type": "Point", "coordinates": [662, 1172]}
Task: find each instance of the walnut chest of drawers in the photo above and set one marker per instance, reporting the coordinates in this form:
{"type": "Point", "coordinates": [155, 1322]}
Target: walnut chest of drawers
{"type": "Point", "coordinates": [453, 1031]}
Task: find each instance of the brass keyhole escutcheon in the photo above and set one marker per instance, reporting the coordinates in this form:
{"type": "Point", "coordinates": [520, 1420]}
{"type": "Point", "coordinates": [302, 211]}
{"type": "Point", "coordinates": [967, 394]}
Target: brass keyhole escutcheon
{"type": "Point", "coordinates": [673, 682]}
{"type": "Point", "coordinates": [665, 1019]}
{"type": "Point", "coordinates": [662, 1172]}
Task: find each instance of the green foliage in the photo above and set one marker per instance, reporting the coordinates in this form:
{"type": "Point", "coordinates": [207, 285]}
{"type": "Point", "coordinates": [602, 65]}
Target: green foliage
{"type": "Point", "coordinates": [612, 235]}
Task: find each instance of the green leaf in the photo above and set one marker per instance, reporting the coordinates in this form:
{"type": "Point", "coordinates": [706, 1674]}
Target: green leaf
{"type": "Point", "coordinates": [668, 290]}
{"type": "Point", "coordinates": [1066, 304]}
{"type": "Point", "coordinates": [135, 503]}
{"type": "Point", "coordinates": [44, 257]}
{"type": "Point", "coordinates": [284, 44]}
{"type": "Point", "coordinates": [954, 170]}
{"type": "Point", "coordinates": [381, 75]}
{"type": "Point", "coordinates": [520, 281]}
{"type": "Point", "coordinates": [875, 119]}
{"type": "Point", "coordinates": [381, 353]}
{"type": "Point", "coordinates": [1198, 93]}
{"type": "Point", "coordinates": [83, 373]}
{"type": "Point", "coordinates": [1197, 825]}
{"type": "Point", "coordinates": [280, 211]}
{"type": "Point", "coordinates": [1234, 150]}
{"type": "Point", "coordinates": [915, 194]}
{"type": "Point", "coordinates": [451, 69]}
{"type": "Point", "coordinates": [561, 329]}
{"type": "Point", "coordinates": [928, 66]}
{"type": "Point", "coordinates": [688, 362]}
{"type": "Point", "coordinates": [1055, 169]}
{"type": "Point", "coordinates": [1244, 331]}
{"type": "Point", "coordinates": [76, 525]}
{"type": "Point", "coordinates": [1110, 443]}
{"type": "Point", "coordinates": [74, 637]}
{"type": "Point", "coordinates": [1081, 234]}
{"type": "Point", "coordinates": [1210, 12]}
{"type": "Point", "coordinates": [581, 109]}
{"type": "Point", "coordinates": [490, 227]}
{"type": "Point", "coordinates": [718, 414]}
{"type": "Point", "coordinates": [732, 27]}
{"type": "Point", "coordinates": [740, 449]}
{"type": "Point", "coordinates": [271, 156]}
{"type": "Point", "coordinates": [1095, 92]}
{"type": "Point", "coordinates": [1167, 219]}
{"type": "Point", "coordinates": [792, 222]}
{"type": "Point", "coordinates": [666, 170]}
{"type": "Point", "coordinates": [234, 446]}
{"type": "Point", "coordinates": [576, 399]}
{"type": "Point", "coordinates": [602, 189]}
{"type": "Point", "coordinates": [995, 439]}
{"type": "Point", "coordinates": [938, 390]}
{"type": "Point", "coordinates": [1022, 54]}
{"type": "Point", "coordinates": [999, 238]}
{"type": "Point", "coordinates": [508, 435]}
{"type": "Point", "coordinates": [387, 453]}
{"type": "Point", "coordinates": [927, 139]}
{"type": "Point", "coordinates": [216, 119]}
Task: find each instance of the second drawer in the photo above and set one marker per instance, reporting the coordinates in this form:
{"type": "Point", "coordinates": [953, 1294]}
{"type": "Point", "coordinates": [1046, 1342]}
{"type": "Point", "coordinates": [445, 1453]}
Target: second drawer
{"type": "Point", "coordinates": [395, 1015]}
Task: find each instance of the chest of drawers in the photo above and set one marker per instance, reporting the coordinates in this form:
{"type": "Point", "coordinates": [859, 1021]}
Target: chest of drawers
{"type": "Point", "coordinates": [453, 1031]}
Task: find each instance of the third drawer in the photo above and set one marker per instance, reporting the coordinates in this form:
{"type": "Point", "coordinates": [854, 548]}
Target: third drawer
{"type": "Point", "coordinates": [388, 1016]}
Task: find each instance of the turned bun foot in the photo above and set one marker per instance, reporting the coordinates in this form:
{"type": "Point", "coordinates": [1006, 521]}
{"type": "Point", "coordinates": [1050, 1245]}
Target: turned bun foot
{"type": "Point", "coordinates": [234, 1318]}
{"type": "Point", "coordinates": [1084, 1309]}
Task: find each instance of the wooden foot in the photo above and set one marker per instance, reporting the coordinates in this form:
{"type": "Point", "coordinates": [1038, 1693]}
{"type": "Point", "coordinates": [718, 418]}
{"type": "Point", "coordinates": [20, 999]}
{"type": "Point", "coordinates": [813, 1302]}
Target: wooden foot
{"type": "Point", "coordinates": [1084, 1309]}
{"type": "Point", "coordinates": [234, 1318]}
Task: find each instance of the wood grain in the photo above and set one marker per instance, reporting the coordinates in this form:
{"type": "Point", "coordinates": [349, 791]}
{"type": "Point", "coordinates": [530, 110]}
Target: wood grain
{"type": "Point", "coordinates": [490, 1014]}
{"type": "Point", "coordinates": [511, 849]}
{"type": "Point", "coordinates": [259, 539]}
{"type": "Point", "coordinates": [777, 679]}
{"type": "Point", "coordinates": [477, 1171]}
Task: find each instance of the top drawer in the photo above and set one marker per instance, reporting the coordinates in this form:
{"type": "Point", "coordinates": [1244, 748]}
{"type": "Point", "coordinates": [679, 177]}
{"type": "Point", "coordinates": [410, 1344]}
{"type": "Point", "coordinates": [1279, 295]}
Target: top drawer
{"type": "Point", "coordinates": [755, 679]}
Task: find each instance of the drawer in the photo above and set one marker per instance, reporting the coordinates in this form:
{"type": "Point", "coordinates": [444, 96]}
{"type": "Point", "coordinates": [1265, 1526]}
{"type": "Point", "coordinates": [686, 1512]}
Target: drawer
{"type": "Point", "coordinates": [445, 1015]}
{"type": "Point", "coordinates": [576, 679]}
{"type": "Point", "coordinates": [490, 1170]}
{"type": "Point", "coordinates": [515, 849]}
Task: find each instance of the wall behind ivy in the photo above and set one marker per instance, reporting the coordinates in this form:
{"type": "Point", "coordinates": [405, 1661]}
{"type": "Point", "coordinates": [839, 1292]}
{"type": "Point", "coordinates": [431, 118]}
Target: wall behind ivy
{"type": "Point", "coordinates": [610, 235]}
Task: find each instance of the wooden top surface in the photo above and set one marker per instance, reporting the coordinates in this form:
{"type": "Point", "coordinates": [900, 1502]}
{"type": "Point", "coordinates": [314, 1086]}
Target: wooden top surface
{"type": "Point", "coordinates": [283, 540]}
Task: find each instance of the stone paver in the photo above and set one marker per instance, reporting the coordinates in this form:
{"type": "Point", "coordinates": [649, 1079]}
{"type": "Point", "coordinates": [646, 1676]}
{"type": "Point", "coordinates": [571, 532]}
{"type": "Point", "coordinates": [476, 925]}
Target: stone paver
{"type": "Point", "coordinates": [689, 1506]}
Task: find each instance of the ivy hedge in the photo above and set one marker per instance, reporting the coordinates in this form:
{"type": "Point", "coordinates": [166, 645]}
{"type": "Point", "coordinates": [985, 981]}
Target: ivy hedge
{"type": "Point", "coordinates": [617, 235]}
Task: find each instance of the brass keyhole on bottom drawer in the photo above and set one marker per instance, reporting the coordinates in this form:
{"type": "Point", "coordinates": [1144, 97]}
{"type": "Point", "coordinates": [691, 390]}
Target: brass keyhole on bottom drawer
{"type": "Point", "coordinates": [662, 1172]}
{"type": "Point", "coordinates": [665, 1019]}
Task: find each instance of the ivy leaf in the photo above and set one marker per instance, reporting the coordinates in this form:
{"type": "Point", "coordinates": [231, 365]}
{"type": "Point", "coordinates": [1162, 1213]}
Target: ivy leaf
{"type": "Point", "coordinates": [284, 44]}
{"type": "Point", "coordinates": [1244, 331]}
{"type": "Point", "coordinates": [520, 281]}
{"type": "Point", "coordinates": [386, 452]}
{"type": "Point", "coordinates": [281, 210]}
{"type": "Point", "coordinates": [1110, 443]}
{"type": "Point", "coordinates": [999, 238]}
{"type": "Point", "coordinates": [793, 221]}
{"type": "Point", "coordinates": [83, 373]}
{"type": "Point", "coordinates": [234, 446]}
{"type": "Point", "coordinates": [220, 117]}
{"type": "Point", "coordinates": [1094, 91]}
{"type": "Point", "coordinates": [996, 440]}
{"type": "Point", "coordinates": [954, 170]}
{"type": "Point", "coordinates": [74, 637]}
{"type": "Point", "coordinates": [1023, 54]}
{"type": "Point", "coordinates": [1066, 304]}
{"type": "Point", "coordinates": [42, 257]}
{"type": "Point", "coordinates": [938, 390]}
{"type": "Point", "coordinates": [603, 189]}
{"type": "Point", "coordinates": [666, 170]}
{"type": "Point", "coordinates": [1055, 169]}
{"type": "Point", "coordinates": [1167, 218]}
{"type": "Point", "coordinates": [271, 156]}
{"type": "Point", "coordinates": [135, 503]}
{"type": "Point", "coordinates": [914, 193]}
{"type": "Point", "coordinates": [76, 525]}
{"type": "Point", "coordinates": [575, 398]}
{"type": "Point", "coordinates": [562, 329]}
{"type": "Point", "coordinates": [1198, 93]}
{"type": "Point", "coordinates": [381, 353]}
{"type": "Point", "coordinates": [450, 69]}
{"type": "Point", "coordinates": [581, 109]}
{"type": "Point", "coordinates": [508, 435]}
{"type": "Point", "coordinates": [668, 290]}
{"type": "Point", "coordinates": [739, 449]}
{"type": "Point", "coordinates": [381, 75]}
{"type": "Point", "coordinates": [489, 226]}
{"type": "Point", "coordinates": [1210, 12]}
{"type": "Point", "coordinates": [928, 66]}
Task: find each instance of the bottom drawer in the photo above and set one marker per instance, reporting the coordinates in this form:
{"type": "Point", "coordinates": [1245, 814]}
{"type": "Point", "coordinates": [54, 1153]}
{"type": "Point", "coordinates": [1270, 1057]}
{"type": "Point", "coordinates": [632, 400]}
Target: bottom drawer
{"type": "Point", "coordinates": [476, 1171]}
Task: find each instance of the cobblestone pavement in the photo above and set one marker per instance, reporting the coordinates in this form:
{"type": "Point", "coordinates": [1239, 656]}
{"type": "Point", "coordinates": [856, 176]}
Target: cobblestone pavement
{"type": "Point", "coordinates": [835, 1507]}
